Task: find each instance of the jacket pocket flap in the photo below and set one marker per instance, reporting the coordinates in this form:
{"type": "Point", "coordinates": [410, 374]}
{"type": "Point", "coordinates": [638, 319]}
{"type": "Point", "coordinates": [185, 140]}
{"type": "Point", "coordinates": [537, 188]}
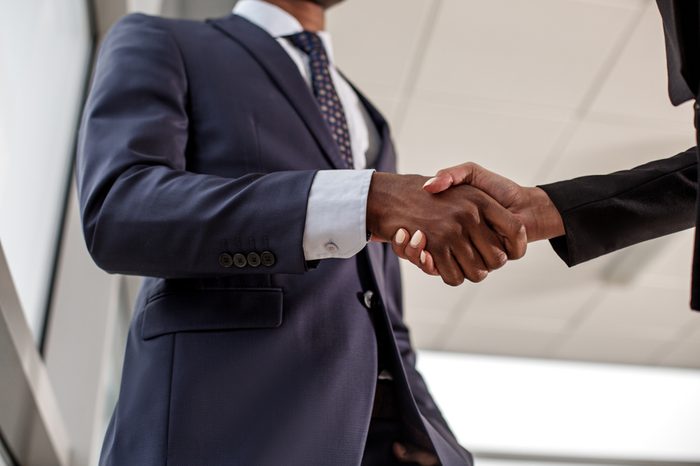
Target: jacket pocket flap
{"type": "Point", "coordinates": [212, 309]}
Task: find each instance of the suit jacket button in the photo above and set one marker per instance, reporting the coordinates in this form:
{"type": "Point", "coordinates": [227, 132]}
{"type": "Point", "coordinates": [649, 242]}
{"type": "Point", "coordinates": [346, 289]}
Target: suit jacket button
{"type": "Point", "coordinates": [253, 259]}
{"type": "Point", "coordinates": [225, 260]}
{"type": "Point", "coordinates": [267, 259]}
{"type": "Point", "coordinates": [239, 260]}
{"type": "Point", "coordinates": [368, 298]}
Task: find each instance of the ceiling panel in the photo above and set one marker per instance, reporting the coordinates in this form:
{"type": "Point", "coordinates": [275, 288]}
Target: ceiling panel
{"type": "Point", "coordinates": [435, 136]}
{"type": "Point", "coordinates": [636, 88]}
{"type": "Point", "coordinates": [427, 298]}
{"type": "Point", "coordinates": [662, 263]}
{"type": "Point", "coordinates": [603, 147]}
{"type": "Point", "coordinates": [537, 296]}
{"type": "Point", "coordinates": [502, 340]}
{"type": "Point", "coordinates": [684, 354]}
{"type": "Point", "coordinates": [541, 52]}
{"type": "Point", "coordinates": [627, 348]}
{"type": "Point", "coordinates": [649, 313]}
{"type": "Point", "coordinates": [539, 285]}
{"type": "Point", "coordinates": [672, 268]}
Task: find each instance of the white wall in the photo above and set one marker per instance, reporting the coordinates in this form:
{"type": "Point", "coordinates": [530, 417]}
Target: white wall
{"type": "Point", "coordinates": [567, 409]}
{"type": "Point", "coordinates": [44, 54]}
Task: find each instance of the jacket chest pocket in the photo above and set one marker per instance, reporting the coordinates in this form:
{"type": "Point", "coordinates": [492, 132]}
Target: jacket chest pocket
{"type": "Point", "coordinates": [212, 310]}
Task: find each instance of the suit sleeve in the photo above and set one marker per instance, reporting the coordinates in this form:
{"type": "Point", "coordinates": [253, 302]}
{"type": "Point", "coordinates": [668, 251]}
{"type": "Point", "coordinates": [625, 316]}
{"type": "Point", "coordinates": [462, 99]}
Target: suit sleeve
{"type": "Point", "coordinates": [604, 213]}
{"type": "Point", "coordinates": [142, 211]}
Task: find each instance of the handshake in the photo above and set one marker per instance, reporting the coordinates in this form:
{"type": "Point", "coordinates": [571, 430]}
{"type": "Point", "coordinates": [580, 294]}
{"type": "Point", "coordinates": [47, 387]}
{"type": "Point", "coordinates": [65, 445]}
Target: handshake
{"type": "Point", "coordinates": [462, 224]}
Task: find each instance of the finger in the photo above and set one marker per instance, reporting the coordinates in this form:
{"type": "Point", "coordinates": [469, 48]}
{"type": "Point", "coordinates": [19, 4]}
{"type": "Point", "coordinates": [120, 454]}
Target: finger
{"type": "Point", "coordinates": [418, 256]}
{"type": "Point", "coordinates": [506, 225]}
{"type": "Point", "coordinates": [470, 261]}
{"type": "Point", "coordinates": [428, 263]}
{"type": "Point", "coordinates": [415, 246]}
{"type": "Point", "coordinates": [414, 455]}
{"type": "Point", "coordinates": [415, 252]}
{"type": "Point", "coordinates": [399, 242]}
{"type": "Point", "coordinates": [519, 245]}
{"type": "Point", "coordinates": [450, 271]}
{"type": "Point", "coordinates": [490, 246]}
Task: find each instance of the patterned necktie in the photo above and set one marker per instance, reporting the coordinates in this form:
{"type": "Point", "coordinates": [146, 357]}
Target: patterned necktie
{"type": "Point", "coordinates": [324, 91]}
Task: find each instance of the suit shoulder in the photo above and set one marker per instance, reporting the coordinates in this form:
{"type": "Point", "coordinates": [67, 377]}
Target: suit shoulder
{"type": "Point", "coordinates": [135, 22]}
{"type": "Point", "coordinates": [139, 41]}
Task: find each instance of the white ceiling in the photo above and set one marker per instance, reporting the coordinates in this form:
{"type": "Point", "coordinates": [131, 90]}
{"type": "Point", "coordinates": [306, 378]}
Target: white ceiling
{"type": "Point", "coordinates": [540, 91]}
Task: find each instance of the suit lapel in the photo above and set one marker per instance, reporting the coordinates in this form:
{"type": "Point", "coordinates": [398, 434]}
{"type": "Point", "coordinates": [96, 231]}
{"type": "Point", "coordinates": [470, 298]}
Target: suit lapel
{"type": "Point", "coordinates": [282, 70]}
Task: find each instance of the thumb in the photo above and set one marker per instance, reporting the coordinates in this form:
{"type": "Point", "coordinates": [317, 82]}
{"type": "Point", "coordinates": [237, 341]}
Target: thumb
{"type": "Point", "coordinates": [438, 183]}
{"type": "Point", "coordinates": [447, 177]}
{"type": "Point", "coordinates": [502, 189]}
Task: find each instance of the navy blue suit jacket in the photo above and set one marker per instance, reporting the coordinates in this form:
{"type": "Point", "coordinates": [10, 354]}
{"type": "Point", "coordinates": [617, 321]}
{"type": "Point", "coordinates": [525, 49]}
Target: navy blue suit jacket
{"type": "Point", "coordinates": [200, 141]}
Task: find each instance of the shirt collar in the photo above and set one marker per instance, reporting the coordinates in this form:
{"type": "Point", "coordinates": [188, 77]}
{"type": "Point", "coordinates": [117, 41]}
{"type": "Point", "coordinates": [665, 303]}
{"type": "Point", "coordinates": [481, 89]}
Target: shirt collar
{"type": "Point", "coordinates": [275, 21]}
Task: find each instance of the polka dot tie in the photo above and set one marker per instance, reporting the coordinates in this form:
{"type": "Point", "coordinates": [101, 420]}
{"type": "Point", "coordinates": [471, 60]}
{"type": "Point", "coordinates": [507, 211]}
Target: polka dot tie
{"type": "Point", "coordinates": [324, 91]}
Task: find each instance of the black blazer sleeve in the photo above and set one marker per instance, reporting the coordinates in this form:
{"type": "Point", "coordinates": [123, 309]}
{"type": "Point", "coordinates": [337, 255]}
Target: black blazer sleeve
{"type": "Point", "coordinates": [604, 213]}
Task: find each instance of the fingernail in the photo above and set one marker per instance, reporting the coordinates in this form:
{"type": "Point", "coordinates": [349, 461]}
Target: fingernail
{"type": "Point", "coordinates": [416, 239]}
{"type": "Point", "coordinates": [400, 236]}
{"type": "Point", "coordinates": [502, 257]}
{"type": "Point", "coordinates": [430, 181]}
{"type": "Point", "coordinates": [481, 274]}
{"type": "Point", "coordinates": [423, 257]}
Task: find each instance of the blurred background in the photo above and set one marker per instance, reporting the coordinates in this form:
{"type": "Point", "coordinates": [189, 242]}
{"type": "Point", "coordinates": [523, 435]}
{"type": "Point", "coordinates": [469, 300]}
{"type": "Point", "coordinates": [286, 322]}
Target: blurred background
{"type": "Point", "coordinates": [539, 365]}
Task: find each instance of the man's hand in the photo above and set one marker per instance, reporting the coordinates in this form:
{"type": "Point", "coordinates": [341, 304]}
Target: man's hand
{"type": "Point", "coordinates": [531, 206]}
{"type": "Point", "coordinates": [467, 232]}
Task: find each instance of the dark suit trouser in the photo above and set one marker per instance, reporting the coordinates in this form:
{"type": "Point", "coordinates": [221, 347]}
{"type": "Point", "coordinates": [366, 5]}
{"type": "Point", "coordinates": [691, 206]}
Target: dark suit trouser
{"type": "Point", "coordinates": [385, 428]}
{"type": "Point", "coordinates": [380, 438]}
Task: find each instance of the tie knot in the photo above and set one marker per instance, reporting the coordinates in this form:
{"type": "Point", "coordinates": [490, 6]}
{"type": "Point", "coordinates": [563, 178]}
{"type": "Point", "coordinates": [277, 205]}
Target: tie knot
{"type": "Point", "coordinates": [311, 44]}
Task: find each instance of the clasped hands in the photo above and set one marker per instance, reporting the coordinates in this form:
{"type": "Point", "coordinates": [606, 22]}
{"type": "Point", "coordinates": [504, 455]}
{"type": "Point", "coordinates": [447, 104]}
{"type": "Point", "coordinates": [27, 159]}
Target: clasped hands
{"type": "Point", "coordinates": [461, 224]}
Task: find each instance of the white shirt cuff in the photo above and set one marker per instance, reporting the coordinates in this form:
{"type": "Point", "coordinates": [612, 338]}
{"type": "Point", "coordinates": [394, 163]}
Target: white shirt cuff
{"type": "Point", "coordinates": [336, 215]}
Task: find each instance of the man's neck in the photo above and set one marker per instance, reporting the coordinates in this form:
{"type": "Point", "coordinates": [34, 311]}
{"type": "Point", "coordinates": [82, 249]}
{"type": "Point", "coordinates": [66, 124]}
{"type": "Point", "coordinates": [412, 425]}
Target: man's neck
{"type": "Point", "coordinates": [311, 16]}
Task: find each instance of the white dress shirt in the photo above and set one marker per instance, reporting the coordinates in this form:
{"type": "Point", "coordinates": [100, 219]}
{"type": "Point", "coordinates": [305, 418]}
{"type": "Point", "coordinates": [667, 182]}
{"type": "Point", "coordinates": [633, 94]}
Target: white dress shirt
{"type": "Point", "coordinates": [337, 206]}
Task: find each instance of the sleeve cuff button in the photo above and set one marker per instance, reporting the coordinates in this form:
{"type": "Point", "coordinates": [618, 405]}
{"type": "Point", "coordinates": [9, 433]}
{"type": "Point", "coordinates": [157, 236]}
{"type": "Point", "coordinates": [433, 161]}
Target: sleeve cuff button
{"type": "Point", "coordinates": [267, 258]}
{"type": "Point", "coordinates": [239, 260]}
{"type": "Point", "coordinates": [253, 259]}
{"type": "Point", "coordinates": [225, 260]}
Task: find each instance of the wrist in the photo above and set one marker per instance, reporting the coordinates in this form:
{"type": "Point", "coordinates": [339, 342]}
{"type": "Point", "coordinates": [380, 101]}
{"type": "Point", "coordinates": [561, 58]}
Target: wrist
{"type": "Point", "coordinates": [378, 200]}
{"type": "Point", "coordinates": [544, 221]}
{"type": "Point", "coordinates": [387, 195]}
